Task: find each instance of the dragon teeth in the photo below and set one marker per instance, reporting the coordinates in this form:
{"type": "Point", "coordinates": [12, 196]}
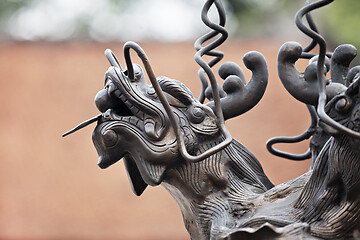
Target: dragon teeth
{"type": "Point", "coordinates": [132, 108]}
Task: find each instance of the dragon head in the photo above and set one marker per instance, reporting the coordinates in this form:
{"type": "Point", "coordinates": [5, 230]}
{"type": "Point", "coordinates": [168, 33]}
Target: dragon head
{"type": "Point", "coordinates": [345, 109]}
{"type": "Point", "coordinates": [134, 125]}
{"type": "Point", "coordinates": [156, 126]}
{"type": "Point", "coordinates": [336, 99]}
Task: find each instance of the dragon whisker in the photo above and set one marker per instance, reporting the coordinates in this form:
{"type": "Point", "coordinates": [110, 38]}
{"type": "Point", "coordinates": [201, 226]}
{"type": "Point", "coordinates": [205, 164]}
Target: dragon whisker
{"type": "Point", "coordinates": [82, 125]}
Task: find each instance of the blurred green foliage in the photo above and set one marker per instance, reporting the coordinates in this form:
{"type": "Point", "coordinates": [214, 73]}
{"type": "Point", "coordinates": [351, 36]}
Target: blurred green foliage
{"type": "Point", "coordinates": [338, 22]}
{"type": "Point", "coordinates": [258, 17]}
{"type": "Point", "coordinates": [342, 19]}
{"type": "Point", "coordinates": [119, 5]}
{"type": "Point", "coordinates": [243, 7]}
{"type": "Point", "coordinates": [8, 7]}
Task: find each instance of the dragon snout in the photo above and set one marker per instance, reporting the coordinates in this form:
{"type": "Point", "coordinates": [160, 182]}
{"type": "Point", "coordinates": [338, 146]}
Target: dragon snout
{"type": "Point", "coordinates": [103, 101]}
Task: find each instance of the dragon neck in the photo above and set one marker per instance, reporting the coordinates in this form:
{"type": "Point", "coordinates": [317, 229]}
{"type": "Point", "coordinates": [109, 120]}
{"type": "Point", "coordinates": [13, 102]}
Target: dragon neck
{"type": "Point", "coordinates": [217, 184]}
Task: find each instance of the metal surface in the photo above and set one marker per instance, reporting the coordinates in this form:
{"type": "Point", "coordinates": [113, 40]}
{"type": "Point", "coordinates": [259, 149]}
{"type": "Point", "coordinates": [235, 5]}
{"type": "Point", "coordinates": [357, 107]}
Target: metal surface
{"type": "Point", "coordinates": [166, 136]}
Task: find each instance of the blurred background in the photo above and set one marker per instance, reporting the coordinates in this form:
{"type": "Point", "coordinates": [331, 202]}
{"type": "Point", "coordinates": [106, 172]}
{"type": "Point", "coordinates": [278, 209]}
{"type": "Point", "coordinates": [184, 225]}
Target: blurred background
{"type": "Point", "coordinates": [52, 65]}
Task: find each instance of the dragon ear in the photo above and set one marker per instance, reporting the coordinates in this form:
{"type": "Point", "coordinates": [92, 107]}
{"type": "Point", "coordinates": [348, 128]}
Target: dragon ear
{"type": "Point", "coordinates": [174, 101]}
{"type": "Point", "coordinates": [177, 90]}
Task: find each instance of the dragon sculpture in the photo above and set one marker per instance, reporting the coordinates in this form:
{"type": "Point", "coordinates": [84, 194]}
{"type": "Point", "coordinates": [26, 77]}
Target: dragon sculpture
{"type": "Point", "coordinates": [167, 137]}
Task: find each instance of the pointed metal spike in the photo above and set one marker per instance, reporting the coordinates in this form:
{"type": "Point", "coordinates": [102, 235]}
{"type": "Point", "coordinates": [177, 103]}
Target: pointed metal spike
{"type": "Point", "coordinates": [82, 125]}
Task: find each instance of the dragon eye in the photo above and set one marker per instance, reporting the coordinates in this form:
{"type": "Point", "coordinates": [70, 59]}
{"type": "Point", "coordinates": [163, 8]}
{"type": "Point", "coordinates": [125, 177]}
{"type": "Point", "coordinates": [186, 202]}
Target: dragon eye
{"type": "Point", "coordinates": [110, 138]}
{"type": "Point", "coordinates": [342, 104]}
{"type": "Point", "coordinates": [197, 115]}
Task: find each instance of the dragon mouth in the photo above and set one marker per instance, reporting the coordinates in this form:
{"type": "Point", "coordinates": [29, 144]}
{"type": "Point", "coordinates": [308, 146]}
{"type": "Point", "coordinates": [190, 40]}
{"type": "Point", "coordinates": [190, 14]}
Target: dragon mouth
{"type": "Point", "coordinates": [125, 128]}
{"type": "Point", "coordinates": [116, 107]}
{"type": "Point", "coordinates": [131, 101]}
{"type": "Point", "coordinates": [116, 110]}
{"type": "Point", "coordinates": [113, 115]}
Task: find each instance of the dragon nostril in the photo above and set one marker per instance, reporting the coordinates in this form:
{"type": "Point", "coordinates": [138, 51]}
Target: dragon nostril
{"type": "Point", "coordinates": [107, 114]}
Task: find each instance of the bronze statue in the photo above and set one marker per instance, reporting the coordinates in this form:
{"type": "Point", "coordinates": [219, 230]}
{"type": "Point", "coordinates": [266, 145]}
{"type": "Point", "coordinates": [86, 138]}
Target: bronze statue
{"type": "Point", "coordinates": [166, 136]}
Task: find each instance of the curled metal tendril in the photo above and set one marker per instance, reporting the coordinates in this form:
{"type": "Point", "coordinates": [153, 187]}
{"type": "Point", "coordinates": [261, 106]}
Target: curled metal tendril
{"type": "Point", "coordinates": [306, 50]}
{"type": "Point", "coordinates": [320, 68]}
{"type": "Point", "coordinates": [209, 51]}
{"type": "Point", "coordinates": [306, 135]}
{"type": "Point", "coordinates": [312, 32]}
{"type": "Point", "coordinates": [314, 119]}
